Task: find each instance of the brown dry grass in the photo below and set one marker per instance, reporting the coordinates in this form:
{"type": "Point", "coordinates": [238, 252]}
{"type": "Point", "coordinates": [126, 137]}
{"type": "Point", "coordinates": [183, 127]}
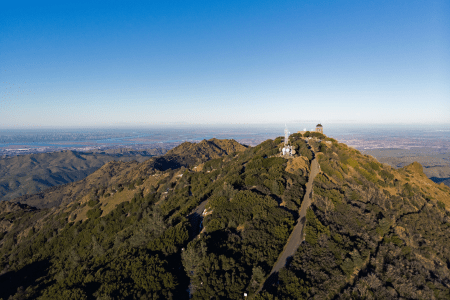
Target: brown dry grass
{"type": "Point", "coordinates": [296, 163]}
{"type": "Point", "coordinates": [198, 168]}
{"type": "Point", "coordinates": [418, 178]}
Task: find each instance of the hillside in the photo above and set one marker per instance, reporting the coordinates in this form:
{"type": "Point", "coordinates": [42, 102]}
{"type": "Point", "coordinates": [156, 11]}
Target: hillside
{"type": "Point", "coordinates": [215, 229]}
{"type": "Point", "coordinates": [373, 232]}
{"type": "Point", "coordinates": [188, 154]}
{"type": "Point", "coordinates": [29, 174]}
{"type": "Point", "coordinates": [124, 173]}
{"type": "Point", "coordinates": [436, 165]}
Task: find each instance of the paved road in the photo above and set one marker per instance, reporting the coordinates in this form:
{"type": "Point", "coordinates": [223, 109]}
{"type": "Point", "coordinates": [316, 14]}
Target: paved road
{"type": "Point", "coordinates": [297, 235]}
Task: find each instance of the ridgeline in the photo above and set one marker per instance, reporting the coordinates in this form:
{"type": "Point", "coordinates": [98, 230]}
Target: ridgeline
{"type": "Point", "coordinates": [29, 174]}
{"type": "Point", "coordinates": [210, 220]}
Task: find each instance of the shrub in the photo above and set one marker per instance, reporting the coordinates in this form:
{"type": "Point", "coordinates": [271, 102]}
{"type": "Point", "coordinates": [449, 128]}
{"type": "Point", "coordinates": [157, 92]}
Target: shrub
{"type": "Point", "coordinates": [374, 165]}
{"type": "Point", "coordinates": [367, 175]}
{"type": "Point", "coordinates": [386, 175]}
{"type": "Point", "coordinates": [94, 213]}
{"type": "Point", "coordinates": [353, 163]}
{"type": "Point", "coordinates": [314, 228]}
{"type": "Point", "coordinates": [93, 202]}
{"type": "Point", "coordinates": [323, 148]}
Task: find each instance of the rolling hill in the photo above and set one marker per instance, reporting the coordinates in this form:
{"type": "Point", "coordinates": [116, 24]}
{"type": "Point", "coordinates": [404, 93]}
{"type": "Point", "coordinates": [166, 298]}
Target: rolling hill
{"type": "Point", "coordinates": [122, 173]}
{"type": "Point", "coordinates": [29, 174]}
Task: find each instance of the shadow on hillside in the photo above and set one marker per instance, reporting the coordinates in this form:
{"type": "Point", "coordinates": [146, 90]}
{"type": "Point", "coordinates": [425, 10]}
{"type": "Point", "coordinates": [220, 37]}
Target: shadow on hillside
{"type": "Point", "coordinates": [14, 282]}
{"type": "Point", "coordinates": [438, 180]}
{"type": "Point", "coordinates": [271, 283]}
{"type": "Point", "coordinates": [195, 219]}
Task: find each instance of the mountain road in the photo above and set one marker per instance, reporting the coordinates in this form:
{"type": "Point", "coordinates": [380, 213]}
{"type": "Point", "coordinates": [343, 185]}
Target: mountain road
{"type": "Point", "coordinates": [297, 235]}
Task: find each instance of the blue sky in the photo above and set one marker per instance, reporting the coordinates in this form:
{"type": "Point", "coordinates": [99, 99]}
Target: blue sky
{"type": "Point", "coordinates": [103, 63]}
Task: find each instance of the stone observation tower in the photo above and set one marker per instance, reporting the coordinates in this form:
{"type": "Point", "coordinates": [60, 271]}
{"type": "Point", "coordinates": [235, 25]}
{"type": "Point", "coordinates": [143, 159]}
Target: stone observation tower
{"type": "Point", "coordinates": [319, 128]}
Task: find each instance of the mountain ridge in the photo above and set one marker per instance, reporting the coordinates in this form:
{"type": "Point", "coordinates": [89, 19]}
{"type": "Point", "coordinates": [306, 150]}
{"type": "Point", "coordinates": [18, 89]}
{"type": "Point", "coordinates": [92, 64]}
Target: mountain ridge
{"type": "Point", "coordinates": [32, 173]}
{"type": "Point", "coordinates": [181, 156]}
{"type": "Point", "coordinates": [371, 232]}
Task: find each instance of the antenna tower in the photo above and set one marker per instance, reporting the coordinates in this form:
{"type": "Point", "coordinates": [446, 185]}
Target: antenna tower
{"type": "Point", "coordinates": [286, 135]}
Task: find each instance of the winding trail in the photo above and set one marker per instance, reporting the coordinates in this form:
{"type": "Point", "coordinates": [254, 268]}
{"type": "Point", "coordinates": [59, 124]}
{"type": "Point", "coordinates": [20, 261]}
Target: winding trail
{"type": "Point", "coordinates": [297, 235]}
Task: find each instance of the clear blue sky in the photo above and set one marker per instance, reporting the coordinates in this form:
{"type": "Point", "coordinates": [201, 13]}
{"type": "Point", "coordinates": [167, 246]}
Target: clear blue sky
{"type": "Point", "coordinates": [97, 63]}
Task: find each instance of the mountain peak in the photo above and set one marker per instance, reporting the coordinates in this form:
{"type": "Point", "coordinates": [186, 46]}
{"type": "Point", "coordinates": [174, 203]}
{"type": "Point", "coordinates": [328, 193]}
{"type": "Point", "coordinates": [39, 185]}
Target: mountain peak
{"type": "Point", "coordinates": [368, 231]}
{"type": "Point", "coordinates": [415, 167]}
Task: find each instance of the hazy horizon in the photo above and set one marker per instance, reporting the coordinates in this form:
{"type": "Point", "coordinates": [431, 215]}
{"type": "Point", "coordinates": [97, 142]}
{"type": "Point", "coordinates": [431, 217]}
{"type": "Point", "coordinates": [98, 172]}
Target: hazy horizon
{"type": "Point", "coordinates": [169, 136]}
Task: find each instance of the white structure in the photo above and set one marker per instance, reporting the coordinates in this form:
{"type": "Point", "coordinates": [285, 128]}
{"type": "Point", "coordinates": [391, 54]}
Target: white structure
{"type": "Point", "coordinates": [286, 135]}
{"type": "Point", "coordinates": [287, 150]}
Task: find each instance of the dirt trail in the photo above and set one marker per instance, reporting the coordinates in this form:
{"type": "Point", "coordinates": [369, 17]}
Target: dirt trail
{"type": "Point", "coordinates": [297, 235]}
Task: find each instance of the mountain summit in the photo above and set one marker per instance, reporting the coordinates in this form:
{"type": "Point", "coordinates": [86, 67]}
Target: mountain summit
{"type": "Point", "coordinates": [214, 220]}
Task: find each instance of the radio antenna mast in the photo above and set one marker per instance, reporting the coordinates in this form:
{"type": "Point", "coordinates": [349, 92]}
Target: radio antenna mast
{"type": "Point", "coordinates": [286, 135]}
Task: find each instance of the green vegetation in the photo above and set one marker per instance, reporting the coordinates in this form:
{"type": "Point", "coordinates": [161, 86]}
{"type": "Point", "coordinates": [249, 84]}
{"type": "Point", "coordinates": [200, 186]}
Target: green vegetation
{"type": "Point", "coordinates": [364, 242]}
{"type": "Point", "coordinates": [28, 174]}
{"type": "Point", "coordinates": [140, 248]}
{"type": "Point", "coordinates": [369, 233]}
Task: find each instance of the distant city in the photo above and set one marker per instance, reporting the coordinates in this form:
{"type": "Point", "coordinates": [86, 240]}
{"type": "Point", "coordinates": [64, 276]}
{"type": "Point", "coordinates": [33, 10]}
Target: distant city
{"type": "Point", "coordinates": [361, 137]}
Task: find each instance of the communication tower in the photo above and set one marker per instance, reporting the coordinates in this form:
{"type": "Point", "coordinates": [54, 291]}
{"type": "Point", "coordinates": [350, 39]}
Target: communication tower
{"type": "Point", "coordinates": [286, 135]}
{"type": "Point", "coordinates": [287, 150]}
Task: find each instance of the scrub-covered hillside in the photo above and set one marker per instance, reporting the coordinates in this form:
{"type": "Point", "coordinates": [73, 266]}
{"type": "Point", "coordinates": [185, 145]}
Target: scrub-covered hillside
{"type": "Point", "coordinates": [214, 226]}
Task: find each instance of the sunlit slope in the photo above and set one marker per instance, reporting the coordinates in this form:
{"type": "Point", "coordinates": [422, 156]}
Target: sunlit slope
{"type": "Point", "coordinates": [436, 165]}
{"type": "Point", "coordinates": [373, 232]}
{"type": "Point", "coordinates": [135, 231]}
{"type": "Point", "coordinates": [29, 174]}
{"type": "Point", "coordinates": [113, 172]}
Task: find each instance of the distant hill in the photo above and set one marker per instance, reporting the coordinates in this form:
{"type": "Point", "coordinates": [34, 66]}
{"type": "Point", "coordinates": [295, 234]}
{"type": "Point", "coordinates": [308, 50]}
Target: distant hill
{"type": "Point", "coordinates": [215, 229]}
{"type": "Point", "coordinates": [188, 154]}
{"type": "Point", "coordinates": [436, 165]}
{"type": "Point", "coordinates": [184, 155]}
{"type": "Point", "coordinates": [29, 174]}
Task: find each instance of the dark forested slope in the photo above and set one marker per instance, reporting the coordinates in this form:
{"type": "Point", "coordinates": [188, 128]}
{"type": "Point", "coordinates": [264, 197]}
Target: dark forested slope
{"type": "Point", "coordinates": [213, 229]}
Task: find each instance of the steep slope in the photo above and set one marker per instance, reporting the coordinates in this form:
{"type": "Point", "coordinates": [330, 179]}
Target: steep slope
{"type": "Point", "coordinates": [128, 242]}
{"type": "Point", "coordinates": [29, 174]}
{"type": "Point", "coordinates": [216, 231]}
{"type": "Point", "coordinates": [119, 173]}
{"type": "Point", "coordinates": [108, 174]}
{"type": "Point", "coordinates": [373, 232]}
